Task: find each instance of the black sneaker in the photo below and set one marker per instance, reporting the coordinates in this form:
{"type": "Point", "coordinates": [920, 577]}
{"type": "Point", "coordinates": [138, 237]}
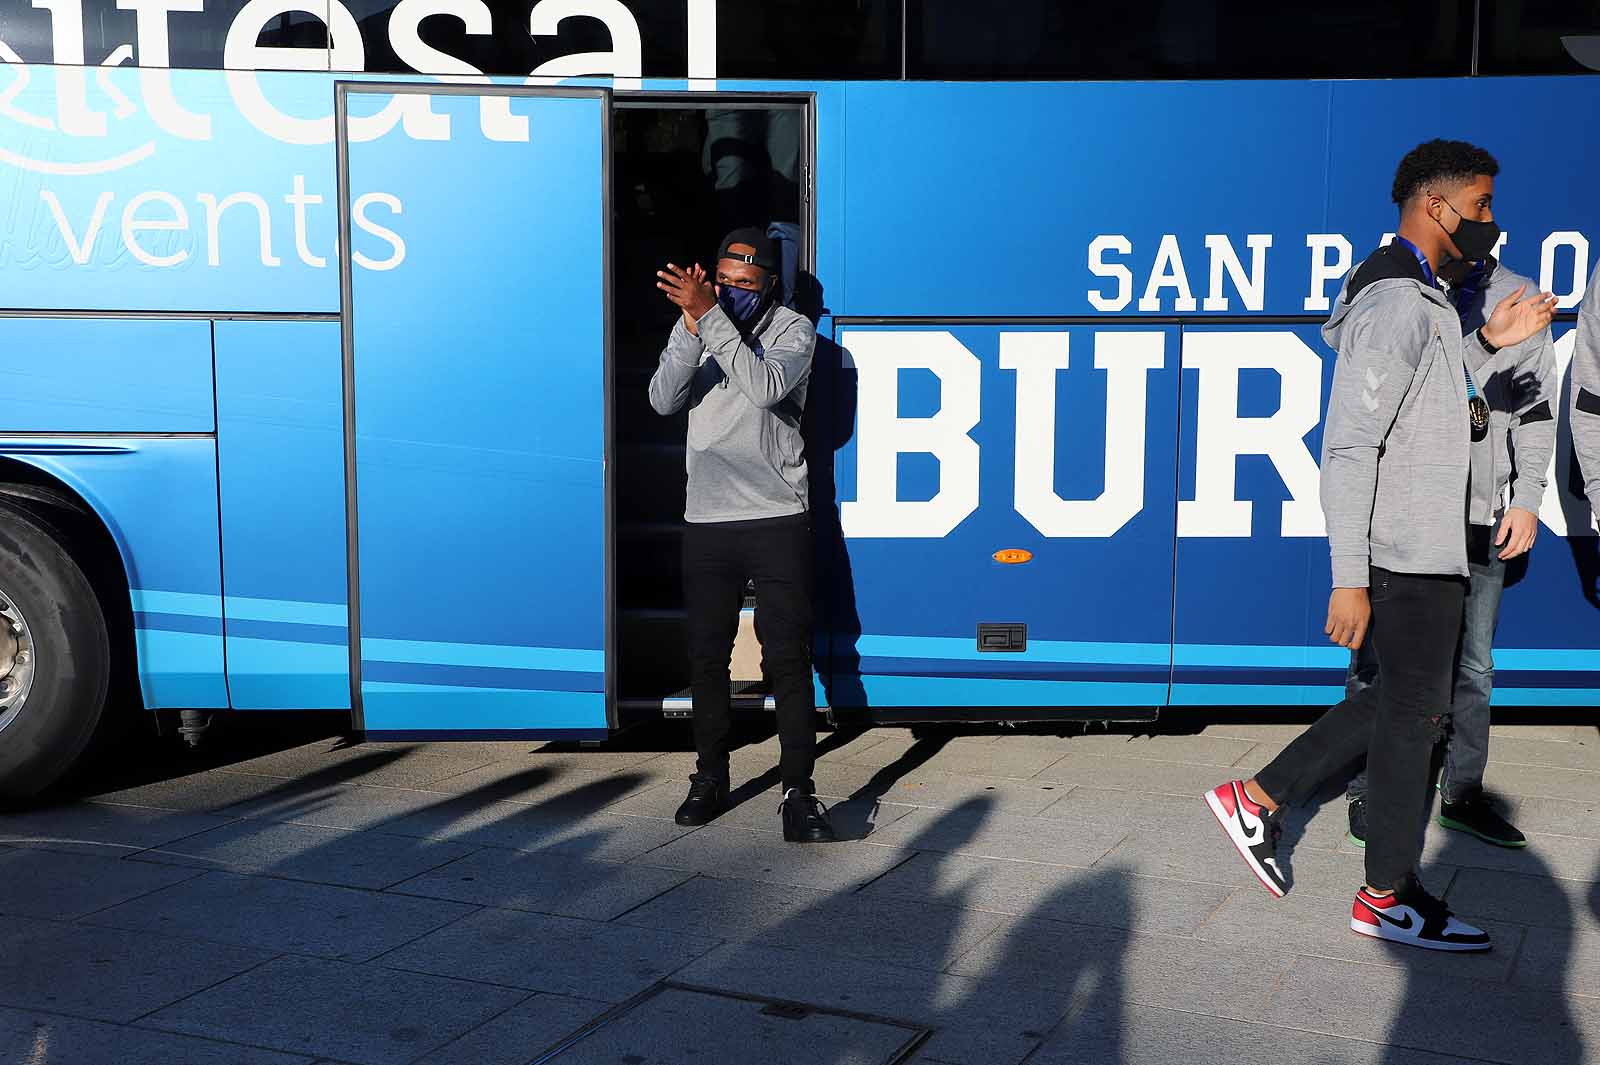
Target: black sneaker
{"type": "Point", "coordinates": [1253, 832]}
{"type": "Point", "coordinates": [1414, 917]}
{"type": "Point", "coordinates": [805, 819]}
{"type": "Point", "coordinates": [708, 799]}
{"type": "Point", "coordinates": [1358, 823]}
{"type": "Point", "coordinates": [1474, 814]}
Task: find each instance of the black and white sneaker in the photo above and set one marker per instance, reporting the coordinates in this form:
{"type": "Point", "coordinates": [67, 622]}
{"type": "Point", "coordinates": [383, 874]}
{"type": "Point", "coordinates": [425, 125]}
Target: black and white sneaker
{"type": "Point", "coordinates": [1253, 830]}
{"type": "Point", "coordinates": [1414, 917]}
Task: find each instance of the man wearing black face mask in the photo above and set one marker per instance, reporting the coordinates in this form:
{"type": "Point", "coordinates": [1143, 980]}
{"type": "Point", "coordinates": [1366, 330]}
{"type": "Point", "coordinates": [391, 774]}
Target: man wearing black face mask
{"type": "Point", "coordinates": [1397, 476]}
{"type": "Point", "coordinates": [740, 362]}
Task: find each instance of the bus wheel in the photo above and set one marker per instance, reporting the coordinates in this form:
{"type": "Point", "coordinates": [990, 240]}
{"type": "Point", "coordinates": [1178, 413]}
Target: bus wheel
{"type": "Point", "coordinates": [54, 657]}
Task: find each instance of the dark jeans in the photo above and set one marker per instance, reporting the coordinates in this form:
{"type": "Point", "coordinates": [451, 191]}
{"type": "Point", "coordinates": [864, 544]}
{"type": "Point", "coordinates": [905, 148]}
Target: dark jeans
{"type": "Point", "coordinates": [1395, 722]}
{"type": "Point", "coordinates": [1466, 754]}
{"type": "Point", "coordinates": [718, 558]}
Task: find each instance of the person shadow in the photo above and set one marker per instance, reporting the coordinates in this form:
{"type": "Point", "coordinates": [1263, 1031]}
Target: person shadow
{"type": "Point", "coordinates": [1029, 979]}
{"type": "Point", "coordinates": [1472, 1013]}
{"type": "Point", "coordinates": [828, 426]}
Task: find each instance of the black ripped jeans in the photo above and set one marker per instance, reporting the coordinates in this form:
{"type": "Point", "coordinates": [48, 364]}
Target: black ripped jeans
{"type": "Point", "coordinates": [1395, 722]}
{"type": "Point", "coordinates": [718, 558]}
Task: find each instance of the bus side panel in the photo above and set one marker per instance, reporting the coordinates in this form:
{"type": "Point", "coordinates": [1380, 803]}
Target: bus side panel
{"type": "Point", "coordinates": [158, 497]}
{"type": "Point", "coordinates": [105, 376]}
{"type": "Point", "coordinates": [1253, 570]}
{"type": "Point", "coordinates": [1076, 198]}
{"type": "Point", "coordinates": [280, 452]}
{"type": "Point", "coordinates": [974, 439]}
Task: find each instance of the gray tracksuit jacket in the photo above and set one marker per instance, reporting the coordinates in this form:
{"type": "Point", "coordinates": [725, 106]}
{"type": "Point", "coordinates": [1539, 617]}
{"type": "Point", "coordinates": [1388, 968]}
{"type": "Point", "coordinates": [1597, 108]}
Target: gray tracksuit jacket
{"type": "Point", "coordinates": [1397, 476]}
{"type": "Point", "coordinates": [745, 391]}
{"type": "Point", "coordinates": [1519, 383]}
{"type": "Point", "coordinates": [1586, 391]}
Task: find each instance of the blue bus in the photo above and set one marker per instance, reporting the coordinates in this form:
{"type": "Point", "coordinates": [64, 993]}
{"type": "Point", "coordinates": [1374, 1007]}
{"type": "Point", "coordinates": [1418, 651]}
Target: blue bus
{"type": "Point", "coordinates": [326, 330]}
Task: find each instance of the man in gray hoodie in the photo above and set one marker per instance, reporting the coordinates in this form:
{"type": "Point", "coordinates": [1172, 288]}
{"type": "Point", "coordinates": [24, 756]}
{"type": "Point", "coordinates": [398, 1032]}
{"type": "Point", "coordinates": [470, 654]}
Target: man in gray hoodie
{"type": "Point", "coordinates": [740, 361]}
{"type": "Point", "coordinates": [1397, 476]}
{"type": "Point", "coordinates": [1520, 386]}
{"type": "Point", "coordinates": [1586, 391]}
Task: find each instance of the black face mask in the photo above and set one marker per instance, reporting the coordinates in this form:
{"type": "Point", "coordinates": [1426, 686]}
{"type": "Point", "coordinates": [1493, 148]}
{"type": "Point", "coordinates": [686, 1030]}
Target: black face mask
{"type": "Point", "coordinates": [1474, 240]}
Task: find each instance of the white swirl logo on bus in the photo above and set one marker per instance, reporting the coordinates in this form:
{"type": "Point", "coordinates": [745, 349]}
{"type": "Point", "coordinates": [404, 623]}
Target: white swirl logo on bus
{"type": "Point", "coordinates": [243, 57]}
{"type": "Point", "coordinates": [82, 116]}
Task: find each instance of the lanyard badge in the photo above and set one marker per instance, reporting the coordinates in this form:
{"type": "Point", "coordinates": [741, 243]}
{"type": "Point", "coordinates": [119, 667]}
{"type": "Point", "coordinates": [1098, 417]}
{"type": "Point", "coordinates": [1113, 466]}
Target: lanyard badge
{"type": "Point", "coordinates": [1477, 406]}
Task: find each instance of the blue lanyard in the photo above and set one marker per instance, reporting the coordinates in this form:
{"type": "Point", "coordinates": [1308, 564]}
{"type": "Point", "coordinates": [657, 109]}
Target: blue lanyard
{"type": "Point", "coordinates": [1427, 270]}
{"type": "Point", "coordinates": [1422, 260]}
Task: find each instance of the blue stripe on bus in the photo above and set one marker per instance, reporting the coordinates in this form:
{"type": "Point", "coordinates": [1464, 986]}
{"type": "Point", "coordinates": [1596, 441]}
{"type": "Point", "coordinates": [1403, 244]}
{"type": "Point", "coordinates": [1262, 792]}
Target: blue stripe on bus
{"type": "Point", "coordinates": [962, 648]}
{"type": "Point", "coordinates": [1546, 696]}
{"type": "Point", "coordinates": [492, 656]}
{"type": "Point", "coordinates": [976, 691]}
{"type": "Point", "coordinates": [393, 707]}
{"type": "Point", "coordinates": [205, 626]}
{"type": "Point", "coordinates": [1533, 658]}
{"type": "Point", "coordinates": [1207, 654]}
{"type": "Point", "coordinates": [1255, 694]}
{"type": "Point", "coordinates": [1042, 671]}
{"type": "Point", "coordinates": [288, 633]}
{"type": "Point", "coordinates": [180, 670]}
{"type": "Point", "coordinates": [176, 603]}
{"type": "Point", "coordinates": [1259, 677]}
{"type": "Point", "coordinates": [477, 677]}
{"type": "Point", "coordinates": [288, 612]}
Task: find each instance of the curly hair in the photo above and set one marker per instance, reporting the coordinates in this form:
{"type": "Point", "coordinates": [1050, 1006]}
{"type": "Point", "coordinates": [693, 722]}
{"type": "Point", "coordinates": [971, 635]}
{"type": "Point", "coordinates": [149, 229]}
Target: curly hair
{"type": "Point", "coordinates": [1440, 162]}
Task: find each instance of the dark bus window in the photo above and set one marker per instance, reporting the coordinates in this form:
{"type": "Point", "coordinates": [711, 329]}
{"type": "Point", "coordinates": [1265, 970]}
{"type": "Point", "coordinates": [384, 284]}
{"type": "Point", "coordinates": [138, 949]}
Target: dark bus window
{"type": "Point", "coordinates": [766, 39]}
{"type": "Point", "coordinates": [755, 38]}
{"type": "Point", "coordinates": [843, 39]}
{"type": "Point", "coordinates": [1525, 36]}
{"type": "Point", "coordinates": [1154, 39]}
{"type": "Point", "coordinates": [512, 50]}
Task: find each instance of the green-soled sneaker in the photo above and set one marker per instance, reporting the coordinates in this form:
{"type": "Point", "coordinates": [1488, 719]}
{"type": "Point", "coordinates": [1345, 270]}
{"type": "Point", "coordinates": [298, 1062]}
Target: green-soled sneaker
{"type": "Point", "coordinates": [1474, 815]}
{"type": "Point", "coordinates": [1358, 823]}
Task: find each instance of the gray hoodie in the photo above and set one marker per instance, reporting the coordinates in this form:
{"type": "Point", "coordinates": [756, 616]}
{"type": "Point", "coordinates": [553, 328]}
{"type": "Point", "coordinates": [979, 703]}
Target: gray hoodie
{"type": "Point", "coordinates": [1519, 382]}
{"type": "Point", "coordinates": [745, 393]}
{"type": "Point", "coordinates": [1396, 444]}
{"type": "Point", "coordinates": [1586, 391]}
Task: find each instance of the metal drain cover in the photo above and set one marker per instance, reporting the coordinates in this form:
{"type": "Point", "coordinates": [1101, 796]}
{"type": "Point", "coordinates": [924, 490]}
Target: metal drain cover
{"type": "Point", "coordinates": [672, 1024]}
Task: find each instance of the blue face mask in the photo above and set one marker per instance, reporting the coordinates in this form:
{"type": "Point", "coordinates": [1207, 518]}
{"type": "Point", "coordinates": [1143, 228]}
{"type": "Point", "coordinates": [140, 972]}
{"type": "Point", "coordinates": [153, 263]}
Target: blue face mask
{"type": "Point", "coordinates": [742, 304]}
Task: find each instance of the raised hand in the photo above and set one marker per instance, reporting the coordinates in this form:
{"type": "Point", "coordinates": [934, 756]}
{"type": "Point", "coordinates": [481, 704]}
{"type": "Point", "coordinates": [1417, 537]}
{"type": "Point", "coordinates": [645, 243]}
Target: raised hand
{"type": "Point", "coordinates": [689, 290]}
{"type": "Point", "coordinates": [1516, 319]}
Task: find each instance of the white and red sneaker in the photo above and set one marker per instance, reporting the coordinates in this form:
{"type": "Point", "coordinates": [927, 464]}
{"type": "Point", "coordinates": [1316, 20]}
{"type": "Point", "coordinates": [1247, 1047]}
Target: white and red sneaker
{"type": "Point", "coordinates": [1253, 830]}
{"type": "Point", "coordinates": [1414, 917]}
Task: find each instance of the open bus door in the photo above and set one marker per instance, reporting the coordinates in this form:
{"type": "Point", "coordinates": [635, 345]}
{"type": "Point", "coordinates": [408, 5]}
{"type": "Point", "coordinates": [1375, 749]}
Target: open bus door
{"type": "Point", "coordinates": [475, 306]}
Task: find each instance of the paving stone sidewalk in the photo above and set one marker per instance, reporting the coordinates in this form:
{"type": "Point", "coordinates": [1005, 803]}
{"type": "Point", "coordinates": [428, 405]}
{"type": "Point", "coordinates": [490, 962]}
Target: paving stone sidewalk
{"type": "Point", "coordinates": [1000, 898]}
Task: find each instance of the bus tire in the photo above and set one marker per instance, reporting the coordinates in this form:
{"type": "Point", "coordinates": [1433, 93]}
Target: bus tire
{"type": "Point", "coordinates": [55, 656]}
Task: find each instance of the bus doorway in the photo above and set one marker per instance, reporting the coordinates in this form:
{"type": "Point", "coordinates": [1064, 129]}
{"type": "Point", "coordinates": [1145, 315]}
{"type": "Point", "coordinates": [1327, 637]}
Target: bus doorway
{"type": "Point", "coordinates": [686, 170]}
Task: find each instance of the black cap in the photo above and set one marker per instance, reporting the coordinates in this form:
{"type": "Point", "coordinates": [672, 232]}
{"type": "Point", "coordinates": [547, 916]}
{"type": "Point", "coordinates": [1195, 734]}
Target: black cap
{"type": "Point", "coordinates": [766, 249]}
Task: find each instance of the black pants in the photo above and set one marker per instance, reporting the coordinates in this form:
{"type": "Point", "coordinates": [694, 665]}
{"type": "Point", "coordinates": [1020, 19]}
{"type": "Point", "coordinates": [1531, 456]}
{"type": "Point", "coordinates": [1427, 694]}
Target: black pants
{"type": "Point", "coordinates": [1395, 722]}
{"type": "Point", "coordinates": [718, 558]}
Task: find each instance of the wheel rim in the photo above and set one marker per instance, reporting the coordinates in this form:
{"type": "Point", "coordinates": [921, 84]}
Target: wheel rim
{"type": "Point", "coordinates": [17, 661]}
